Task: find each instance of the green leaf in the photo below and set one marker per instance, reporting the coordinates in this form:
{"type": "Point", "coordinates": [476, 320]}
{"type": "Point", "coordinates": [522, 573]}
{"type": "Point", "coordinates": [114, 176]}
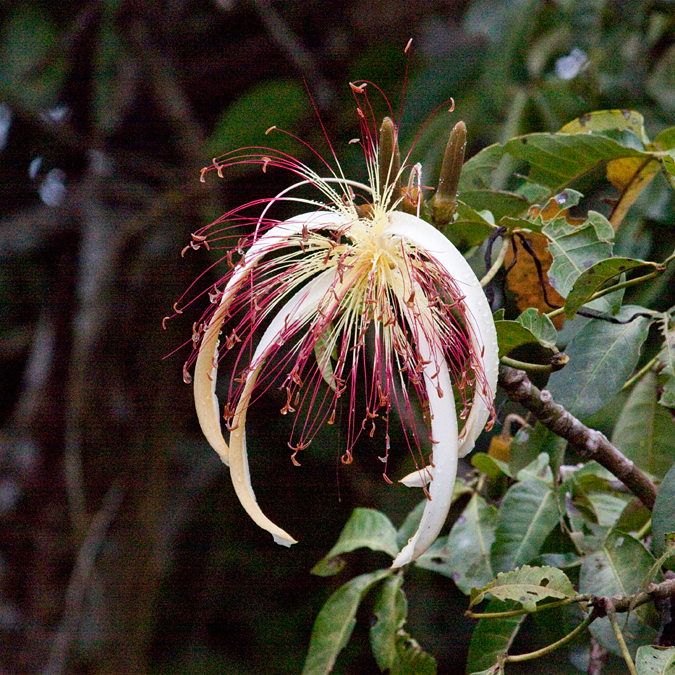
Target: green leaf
{"type": "Point", "coordinates": [498, 202]}
{"type": "Point", "coordinates": [529, 443]}
{"type": "Point", "coordinates": [668, 165]}
{"type": "Point", "coordinates": [412, 659]}
{"type": "Point", "coordinates": [540, 326]}
{"type": "Point", "coordinates": [537, 469]}
{"type": "Point", "coordinates": [591, 280]}
{"type": "Point", "coordinates": [576, 248]}
{"type": "Point", "coordinates": [365, 528]}
{"type": "Point", "coordinates": [634, 517]}
{"type": "Point", "coordinates": [391, 610]}
{"type": "Point", "coordinates": [477, 171]}
{"type": "Point", "coordinates": [655, 574]}
{"type": "Point", "coordinates": [666, 139]}
{"type": "Point", "coordinates": [336, 620]}
{"type": "Point", "coordinates": [489, 465]}
{"type": "Point", "coordinates": [667, 359]}
{"type": "Point", "coordinates": [527, 586]}
{"type": "Point", "coordinates": [464, 555]}
{"type": "Point", "coordinates": [280, 103]}
{"type": "Point", "coordinates": [469, 227]}
{"type": "Point", "coordinates": [645, 430]}
{"type": "Point", "coordinates": [663, 515]}
{"type": "Point", "coordinates": [558, 159]}
{"type": "Point", "coordinates": [602, 357]}
{"type": "Point", "coordinates": [492, 638]}
{"type": "Point", "coordinates": [618, 568]}
{"type": "Point", "coordinates": [655, 661]}
{"type": "Point", "coordinates": [607, 120]}
{"type": "Point", "coordinates": [512, 334]}
{"type": "Point", "coordinates": [527, 516]}
{"type": "Point", "coordinates": [608, 507]}
{"type": "Point", "coordinates": [497, 669]}
{"type": "Point", "coordinates": [530, 327]}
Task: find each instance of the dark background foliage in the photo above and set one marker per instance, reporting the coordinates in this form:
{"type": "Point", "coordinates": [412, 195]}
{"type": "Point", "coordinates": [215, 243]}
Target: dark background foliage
{"type": "Point", "coordinates": [122, 546]}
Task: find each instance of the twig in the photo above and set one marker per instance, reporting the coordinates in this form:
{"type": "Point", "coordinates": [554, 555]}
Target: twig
{"type": "Point", "coordinates": [611, 614]}
{"type": "Point", "coordinates": [531, 367]}
{"type": "Point", "coordinates": [79, 581]}
{"type": "Point", "coordinates": [552, 647]}
{"type": "Point", "coordinates": [616, 287]}
{"type": "Point", "coordinates": [517, 612]}
{"type": "Point", "coordinates": [590, 444]}
{"type": "Point", "coordinates": [666, 589]}
{"type": "Point", "coordinates": [638, 376]}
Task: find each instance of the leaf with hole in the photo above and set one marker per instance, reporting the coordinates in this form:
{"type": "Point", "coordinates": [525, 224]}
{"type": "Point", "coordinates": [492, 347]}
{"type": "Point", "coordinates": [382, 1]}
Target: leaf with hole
{"type": "Point", "coordinates": [527, 586]}
{"type": "Point", "coordinates": [655, 661]}
{"type": "Point", "coordinates": [600, 121]}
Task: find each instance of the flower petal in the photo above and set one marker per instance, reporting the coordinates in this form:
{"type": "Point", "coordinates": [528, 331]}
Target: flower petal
{"type": "Point", "coordinates": [483, 333]}
{"type": "Point", "coordinates": [300, 308]}
{"type": "Point", "coordinates": [206, 367]}
{"type": "Point", "coordinates": [444, 455]}
{"type": "Point", "coordinates": [204, 388]}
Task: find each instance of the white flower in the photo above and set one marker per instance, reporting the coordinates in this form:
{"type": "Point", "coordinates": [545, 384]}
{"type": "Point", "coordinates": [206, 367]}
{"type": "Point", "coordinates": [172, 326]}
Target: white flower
{"type": "Point", "coordinates": [356, 293]}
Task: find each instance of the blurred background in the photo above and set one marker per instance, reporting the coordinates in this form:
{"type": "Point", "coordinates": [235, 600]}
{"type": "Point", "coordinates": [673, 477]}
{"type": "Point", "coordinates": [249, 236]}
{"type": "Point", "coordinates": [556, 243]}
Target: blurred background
{"type": "Point", "coordinates": [122, 546]}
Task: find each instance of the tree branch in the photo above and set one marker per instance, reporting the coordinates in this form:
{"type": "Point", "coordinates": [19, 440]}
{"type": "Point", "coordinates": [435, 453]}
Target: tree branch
{"type": "Point", "coordinates": [589, 443]}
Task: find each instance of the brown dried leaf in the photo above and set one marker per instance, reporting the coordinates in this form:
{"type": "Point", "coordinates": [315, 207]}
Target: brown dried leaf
{"type": "Point", "coordinates": [523, 280]}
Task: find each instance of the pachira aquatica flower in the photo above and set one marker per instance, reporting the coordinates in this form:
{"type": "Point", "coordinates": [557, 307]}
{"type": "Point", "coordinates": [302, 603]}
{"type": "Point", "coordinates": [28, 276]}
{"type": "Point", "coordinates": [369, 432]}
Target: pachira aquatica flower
{"type": "Point", "coordinates": [357, 294]}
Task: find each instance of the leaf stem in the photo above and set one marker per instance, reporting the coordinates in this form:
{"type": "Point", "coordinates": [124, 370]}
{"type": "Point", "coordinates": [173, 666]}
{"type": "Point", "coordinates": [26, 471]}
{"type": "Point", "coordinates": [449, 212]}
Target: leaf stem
{"type": "Point", "coordinates": [506, 243]}
{"type": "Point", "coordinates": [612, 289]}
{"type": "Point", "coordinates": [640, 373]}
{"type": "Point", "coordinates": [626, 284]}
{"type": "Point", "coordinates": [644, 530]}
{"type": "Point", "coordinates": [531, 367]}
{"type": "Point", "coordinates": [611, 614]}
{"type": "Point", "coordinates": [522, 610]}
{"type": "Point", "coordinates": [552, 647]}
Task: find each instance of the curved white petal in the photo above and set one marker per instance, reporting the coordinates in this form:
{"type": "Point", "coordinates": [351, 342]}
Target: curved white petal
{"type": "Point", "coordinates": [206, 366]}
{"type": "Point", "coordinates": [299, 308]}
{"type": "Point", "coordinates": [444, 454]}
{"type": "Point", "coordinates": [483, 332]}
{"type": "Point", "coordinates": [418, 478]}
{"type": "Point", "coordinates": [204, 388]}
